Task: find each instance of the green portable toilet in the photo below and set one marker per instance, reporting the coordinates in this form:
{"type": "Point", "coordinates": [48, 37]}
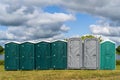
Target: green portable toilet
{"type": "Point", "coordinates": [42, 52]}
{"type": "Point", "coordinates": [59, 55]}
{"type": "Point", "coordinates": [27, 61]}
{"type": "Point", "coordinates": [107, 56]}
{"type": "Point", "coordinates": [11, 56]}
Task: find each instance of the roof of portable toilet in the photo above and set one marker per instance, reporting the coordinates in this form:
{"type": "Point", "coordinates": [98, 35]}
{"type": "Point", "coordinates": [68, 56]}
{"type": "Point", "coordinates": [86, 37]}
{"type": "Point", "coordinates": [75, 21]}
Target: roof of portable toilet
{"type": "Point", "coordinates": [27, 42]}
{"type": "Point", "coordinates": [12, 42]}
{"type": "Point", "coordinates": [108, 41]}
{"type": "Point", "coordinates": [58, 40]}
{"type": "Point", "coordinates": [43, 41]}
{"type": "Point", "coordinates": [90, 39]}
{"type": "Point", "coordinates": [74, 38]}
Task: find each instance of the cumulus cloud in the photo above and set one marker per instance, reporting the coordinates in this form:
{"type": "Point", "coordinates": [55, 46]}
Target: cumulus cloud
{"type": "Point", "coordinates": [103, 8]}
{"type": "Point", "coordinates": [64, 28]}
{"type": "Point", "coordinates": [106, 31]}
{"type": "Point", "coordinates": [43, 25]}
{"type": "Point", "coordinates": [106, 10]}
{"type": "Point", "coordinates": [25, 22]}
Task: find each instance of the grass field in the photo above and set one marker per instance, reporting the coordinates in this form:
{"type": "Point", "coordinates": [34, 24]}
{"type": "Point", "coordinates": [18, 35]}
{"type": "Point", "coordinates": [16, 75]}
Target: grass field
{"type": "Point", "coordinates": [61, 74]}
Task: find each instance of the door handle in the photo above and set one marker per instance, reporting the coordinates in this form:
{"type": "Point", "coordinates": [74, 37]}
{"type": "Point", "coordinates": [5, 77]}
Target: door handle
{"type": "Point", "coordinates": [78, 55]}
{"type": "Point", "coordinates": [94, 55]}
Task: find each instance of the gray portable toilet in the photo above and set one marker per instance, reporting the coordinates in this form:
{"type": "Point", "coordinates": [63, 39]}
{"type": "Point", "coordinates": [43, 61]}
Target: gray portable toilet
{"type": "Point", "coordinates": [75, 55]}
{"type": "Point", "coordinates": [91, 53]}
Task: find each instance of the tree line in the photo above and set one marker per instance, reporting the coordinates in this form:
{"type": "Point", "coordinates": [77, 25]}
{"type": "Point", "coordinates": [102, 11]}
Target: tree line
{"type": "Point", "coordinates": [1, 50]}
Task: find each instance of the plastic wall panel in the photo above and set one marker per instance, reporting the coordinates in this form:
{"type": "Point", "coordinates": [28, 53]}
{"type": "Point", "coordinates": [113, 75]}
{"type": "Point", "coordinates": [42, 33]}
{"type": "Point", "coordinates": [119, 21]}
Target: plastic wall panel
{"type": "Point", "coordinates": [12, 56]}
{"type": "Point", "coordinates": [91, 54]}
{"type": "Point", "coordinates": [75, 55]}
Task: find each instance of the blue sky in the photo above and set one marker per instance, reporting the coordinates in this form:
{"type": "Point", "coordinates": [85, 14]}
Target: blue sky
{"type": "Point", "coordinates": [81, 25]}
{"type": "Point", "coordinates": [3, 28]}
{"type": "Point", "coordinates": [36, 20]}
{"type": "Point", "coordinates": [78, 27]}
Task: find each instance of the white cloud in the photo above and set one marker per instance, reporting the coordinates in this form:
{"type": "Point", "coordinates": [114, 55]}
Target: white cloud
{"type": "Point", "coordinates": [64, 28]}
{"type": "Point", "coordinates": [25, 22]}
{"type": "Point", "coordinates": [38, 25]}
{"type": "Point", "coordinates": [103, 8]}
{"type": "Point", "coordinates": [107, 32]}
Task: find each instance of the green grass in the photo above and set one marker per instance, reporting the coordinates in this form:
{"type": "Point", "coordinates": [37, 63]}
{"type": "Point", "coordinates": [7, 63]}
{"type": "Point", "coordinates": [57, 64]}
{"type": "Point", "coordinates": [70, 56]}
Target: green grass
{"type": "Point", "coordinates": [60, 74]}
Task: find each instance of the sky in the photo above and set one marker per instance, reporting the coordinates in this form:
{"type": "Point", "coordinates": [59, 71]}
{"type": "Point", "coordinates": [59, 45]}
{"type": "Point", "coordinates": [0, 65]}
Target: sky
{"type": "Point", "coordinates": [36, 20]}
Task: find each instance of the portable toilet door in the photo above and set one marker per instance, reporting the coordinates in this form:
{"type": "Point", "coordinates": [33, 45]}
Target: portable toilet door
{"type": "Point", "coordinates": [91, 53]}
{"type": "Point", "coordinates": [59, 55]}
{"type": "Point", "coordinates": [75, 55]}
{"type": "Point", "coordinates": [27, 56]}
{"type": "Point", "coordinates": [11, 56]}
{"type": "Point", "coordinates": [107, 56]}
{"type": "Point", "coordinates": [42, 51]}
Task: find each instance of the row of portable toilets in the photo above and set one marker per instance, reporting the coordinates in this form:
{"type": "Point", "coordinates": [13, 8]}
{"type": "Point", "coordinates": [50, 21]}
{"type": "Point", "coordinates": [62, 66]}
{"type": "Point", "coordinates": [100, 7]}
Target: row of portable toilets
{"type": "Point", "coordinates": [73, 54]}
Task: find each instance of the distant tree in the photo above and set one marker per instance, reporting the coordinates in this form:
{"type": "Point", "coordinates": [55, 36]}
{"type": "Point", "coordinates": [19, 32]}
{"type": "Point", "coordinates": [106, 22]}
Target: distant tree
{"type": "Point", "coordinates": [91, 36]}
{"type": "Point", "coordinates": [1, 50]}
{"type": "Point", "coordinates": [66, 39]}
{"type": "Point", "coordinates": [118, 50]}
